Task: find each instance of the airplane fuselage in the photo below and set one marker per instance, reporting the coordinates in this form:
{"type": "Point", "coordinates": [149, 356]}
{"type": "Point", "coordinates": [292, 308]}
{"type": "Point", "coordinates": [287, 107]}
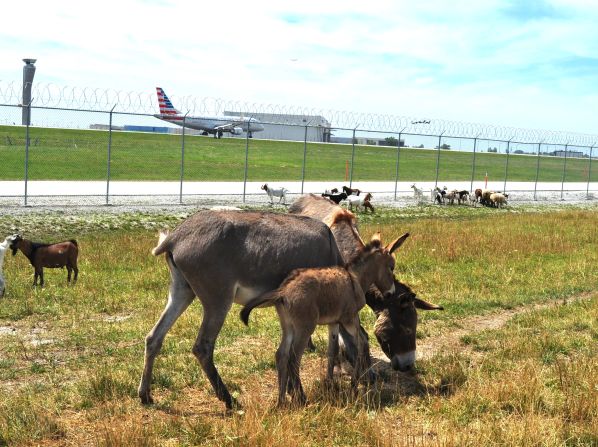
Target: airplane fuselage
{"type": "Point", "coordinates": [215, 125]}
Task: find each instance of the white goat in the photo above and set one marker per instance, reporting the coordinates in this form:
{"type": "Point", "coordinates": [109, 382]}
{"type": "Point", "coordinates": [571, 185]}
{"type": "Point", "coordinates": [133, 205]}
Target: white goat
{"type": "Point", "coordinates": [418, 194]}
{"type": "Point", "coordinates": [281, 193]}
{"type": "Point", "coordinates": [3, 247]}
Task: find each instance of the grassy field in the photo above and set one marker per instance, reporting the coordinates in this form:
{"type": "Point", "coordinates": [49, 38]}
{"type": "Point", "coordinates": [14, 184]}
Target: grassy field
{"type": "Point", "coordinates": [58, 154]}
{"type": "Point", "coordinates": [71, 357]}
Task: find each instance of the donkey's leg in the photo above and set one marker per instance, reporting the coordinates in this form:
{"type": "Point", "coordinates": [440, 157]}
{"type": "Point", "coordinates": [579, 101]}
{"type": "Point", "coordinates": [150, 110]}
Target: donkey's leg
{"type": "Point", "coordinates": [213, 319]}
{"type": "Point", "coordinates": [299, 344]}
{"type": "Point", "coordinates": [76, 270]}
{"type": "Point", "coordinates": [353, 328]}
{"type": "Point", "coordinates": [332, 349]}
{"type": "Point", "coordinates": [69, 270]}
{"type": "Point", "coordinates": [282, 364]}
{"type": "Point", "coordinates": [180, 297]}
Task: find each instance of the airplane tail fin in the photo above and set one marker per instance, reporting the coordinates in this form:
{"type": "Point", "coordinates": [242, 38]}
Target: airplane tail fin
{"type": "Point", "coordinates": [166, 107]}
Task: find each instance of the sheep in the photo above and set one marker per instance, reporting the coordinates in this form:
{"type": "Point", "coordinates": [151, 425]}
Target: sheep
{"type": "Point", "coordinates": [498, 199]}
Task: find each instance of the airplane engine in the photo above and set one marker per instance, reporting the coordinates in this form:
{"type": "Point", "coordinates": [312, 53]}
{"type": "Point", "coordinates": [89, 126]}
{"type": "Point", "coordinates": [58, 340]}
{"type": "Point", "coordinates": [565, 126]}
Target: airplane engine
{"type": "Point", "coordinates": [237, 131]}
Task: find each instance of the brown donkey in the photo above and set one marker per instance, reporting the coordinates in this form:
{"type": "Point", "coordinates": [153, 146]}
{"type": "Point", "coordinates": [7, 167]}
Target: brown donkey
{"type": "Point", "coordinates": [329, 295]}
{"type": "Point", "coordinates": [396, 323]}
{"type": "Point", "coordinates": [61, 254]}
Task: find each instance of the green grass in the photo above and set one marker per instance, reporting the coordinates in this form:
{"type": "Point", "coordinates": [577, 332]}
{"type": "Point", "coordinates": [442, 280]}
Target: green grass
{"type": "Point", "coordinates": [69, 370]}
{"type": "Point", "coordinates": [59, 154]}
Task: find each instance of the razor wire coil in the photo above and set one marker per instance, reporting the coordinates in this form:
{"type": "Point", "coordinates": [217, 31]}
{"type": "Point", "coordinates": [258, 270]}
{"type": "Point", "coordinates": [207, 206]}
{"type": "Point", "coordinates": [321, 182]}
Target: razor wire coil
{"type": "Point", "coordinates": [104, 99]}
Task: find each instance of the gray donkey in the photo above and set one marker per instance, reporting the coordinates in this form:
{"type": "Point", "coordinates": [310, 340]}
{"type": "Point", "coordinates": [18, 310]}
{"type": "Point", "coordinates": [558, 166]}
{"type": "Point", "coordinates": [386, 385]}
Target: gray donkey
{"type": "Point", "coordinates": [223, 257]}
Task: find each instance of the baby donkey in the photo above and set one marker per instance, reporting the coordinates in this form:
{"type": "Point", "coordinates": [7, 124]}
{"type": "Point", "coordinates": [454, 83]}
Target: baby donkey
{"type": "Point", "coordinates": [328, 295]}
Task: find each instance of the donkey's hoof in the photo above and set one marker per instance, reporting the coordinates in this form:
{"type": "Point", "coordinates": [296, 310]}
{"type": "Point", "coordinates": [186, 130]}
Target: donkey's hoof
{"type": "Point", "coordinates": [146, 399]}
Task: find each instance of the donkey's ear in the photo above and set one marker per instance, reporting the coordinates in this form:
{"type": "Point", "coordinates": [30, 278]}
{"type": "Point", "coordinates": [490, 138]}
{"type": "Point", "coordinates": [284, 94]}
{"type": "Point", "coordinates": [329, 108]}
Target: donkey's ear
{"type": "Point", "coordinates": [397, 243]}
{"type": "Point", "coordinates": [424, 305]}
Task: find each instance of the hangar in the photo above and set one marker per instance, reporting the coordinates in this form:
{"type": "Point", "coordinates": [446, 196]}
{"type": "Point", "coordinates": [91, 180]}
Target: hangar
{"type": "Point", "coordinates": [289, 127]}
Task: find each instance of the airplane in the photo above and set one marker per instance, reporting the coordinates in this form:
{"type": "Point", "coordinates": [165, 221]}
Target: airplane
{"type": "Point", "coordinates": [215, 125]}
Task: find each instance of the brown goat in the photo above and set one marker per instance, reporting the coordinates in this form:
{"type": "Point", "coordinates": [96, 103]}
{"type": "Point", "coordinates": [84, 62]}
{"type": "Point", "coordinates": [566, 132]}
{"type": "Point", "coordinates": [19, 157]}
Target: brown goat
{"type": "Point", "coordinates": [61, 254]}
{"type": "Point", "coordinates": [328, 295]}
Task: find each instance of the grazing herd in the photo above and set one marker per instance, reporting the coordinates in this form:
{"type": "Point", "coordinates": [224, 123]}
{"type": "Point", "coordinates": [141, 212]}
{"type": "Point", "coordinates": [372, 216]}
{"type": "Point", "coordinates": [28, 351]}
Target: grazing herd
{"type": "Point", "coordinates": [310, 264]}
{"type": "Point", "coordinates": [443, 196]}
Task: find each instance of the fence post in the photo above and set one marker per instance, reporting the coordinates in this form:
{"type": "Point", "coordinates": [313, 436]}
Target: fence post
{"type": "Point", "coordinates": [182, 158]}
{"type": "Point", "coordinates": [26, 160]}
{"type": "Point", "coordinates": [475, 144]}
{"type": "Point", "coordinates": [28, 106]}
{"type": "Point", "coordinates": [504, 186]}
{"type": "Point", "coordinates": [589, 174]}
{"type": "Point", "coordinates": [246, 164]}
{"type": "Point", "coordinates": [109, 156]}
{"type": "Point", "coordinates": [304, 158]}
{"type": "Point", "coordinates": [398, 158]}
{"type": "Point", "coordinates": [537, 170]}
{"type": "Point", "coordinates": [352, 159]}
{"type": "Point", "coordinates": [438, 159]}
{"type": "Point", "coordinates": [564, 171]}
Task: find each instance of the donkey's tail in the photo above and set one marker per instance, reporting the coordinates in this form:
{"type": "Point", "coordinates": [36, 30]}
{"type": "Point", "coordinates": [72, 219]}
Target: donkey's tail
{"type": "Point", "coordinates": [161, 247]}
{"type": "Point", "coordinates": [74, 242]}
{"type": "Point", "coordinates": [265, 300]}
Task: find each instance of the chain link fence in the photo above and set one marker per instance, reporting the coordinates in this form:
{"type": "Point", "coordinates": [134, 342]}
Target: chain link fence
{"type": "Point", "coordinates": [71, 157]}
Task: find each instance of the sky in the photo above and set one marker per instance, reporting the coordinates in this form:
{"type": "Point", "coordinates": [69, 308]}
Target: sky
{"type": "Point", "coordinates": [517, 63]}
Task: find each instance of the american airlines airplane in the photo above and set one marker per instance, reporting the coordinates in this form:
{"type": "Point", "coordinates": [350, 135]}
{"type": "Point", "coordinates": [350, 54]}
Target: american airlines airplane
{"type": "Point", "coordinates": [215, 125]}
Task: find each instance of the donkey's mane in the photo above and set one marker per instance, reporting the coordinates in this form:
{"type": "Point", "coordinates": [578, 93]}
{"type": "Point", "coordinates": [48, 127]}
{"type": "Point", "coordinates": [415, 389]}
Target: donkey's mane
{"type": "Point", "coordinates": [338, 216]}
{"type": "Point", "coordinates": [364, 253]}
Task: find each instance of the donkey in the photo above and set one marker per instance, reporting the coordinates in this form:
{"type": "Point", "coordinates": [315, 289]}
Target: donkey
{"type": "Point", "coordinates": [344, 227]}
{"type": "Point", "coordinates": [230, 256]}
{"type": "Point", "coordinates": [396, 323]}
{"type": "Point", "coordinates": [332, 296]}
{"type": "Point", "coordinates": [61, 254]}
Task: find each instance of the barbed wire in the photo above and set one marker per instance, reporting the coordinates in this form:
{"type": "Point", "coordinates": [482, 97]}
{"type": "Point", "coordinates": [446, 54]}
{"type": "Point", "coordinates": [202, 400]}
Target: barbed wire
{"type": "Point", "coordinates": [103, 100]}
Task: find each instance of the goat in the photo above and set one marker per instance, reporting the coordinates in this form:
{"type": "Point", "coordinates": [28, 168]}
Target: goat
{"type": "Point", "coordinates": [281, 193]}
{"type": "Point", "coordinates": [350, 191]}
{"type": "Point", "coordinates": [462, 196]}
{"type": "Point", "coordinates": [418, 194]}
{"type": "Point", "coordinates": [498, 199]}
{"type": "Point", "coordinates": [332, 296]}
{"type": "Point", "coordinates": [438, 195]}
{"type": "Point", "coordinates": [61, 254]}
{"type": "Point", "coordinates": [473, 199]}
{"type": "Point", "coordinates": [336, 198]}
{"type": "Point", "coordinates": [364, 202]}
{"type": "Point", "coordinates": [3, 247]}
{"type": "Point", "coordinates": [485, 197]}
